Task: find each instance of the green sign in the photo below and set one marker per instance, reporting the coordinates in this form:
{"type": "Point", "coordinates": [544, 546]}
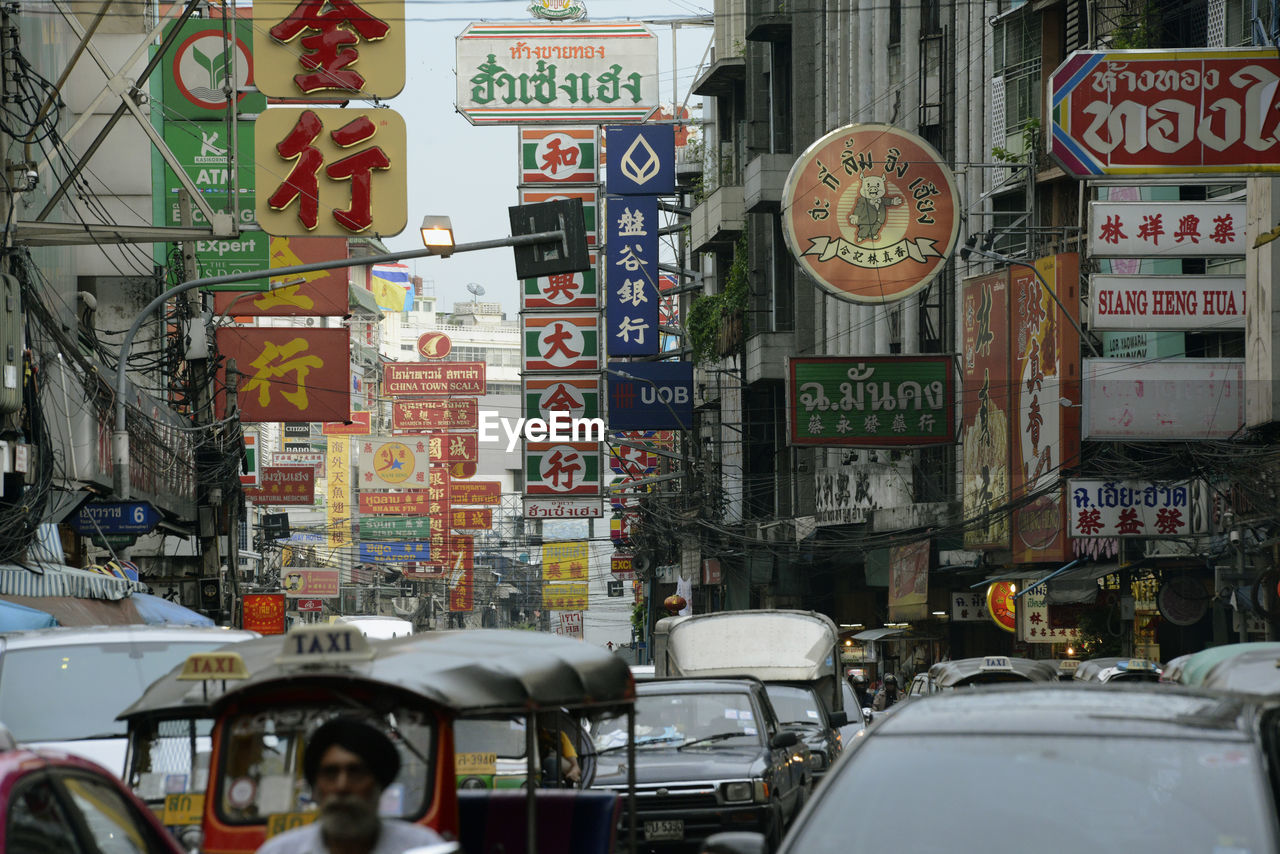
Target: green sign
{"type": "Point", "coordinates": [871, 401]}
{"type": "Point", "coordinates": [114, 541]}
{"type": "Point", "coordinates": [201, 149]}
{"type": "Point", "coordinates": [383, 527]}
{"type": "Point", "coordinates": [193, 76]}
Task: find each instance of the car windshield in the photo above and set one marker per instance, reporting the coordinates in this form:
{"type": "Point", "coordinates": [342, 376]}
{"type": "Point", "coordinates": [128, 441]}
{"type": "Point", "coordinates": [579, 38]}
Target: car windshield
{"type": "Point", "coordinates": [1122, 794]}
{"type": "Point", "coordinates": [261, 766]}
{"type": "Point", "coordinates": [794, 705]}
{"type": "Point", "coordinates": [74, 691]}
{"type": "Point", "coordinates": [504, 737]}
{"type": "Point", "coordinates": [670, 720]}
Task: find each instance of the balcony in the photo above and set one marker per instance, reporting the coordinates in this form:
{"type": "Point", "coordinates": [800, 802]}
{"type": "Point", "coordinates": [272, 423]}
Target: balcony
{"type": "Point", "coordinates": [768, 21]}
{"type": "Point", "coordinates": [718, 220]}
{"type": "Point", "coordinates": [721, 78]}
{"type": "Point", "coordinates": [766, 356]}
{"type": "Point", "coordinates": [763, 180]}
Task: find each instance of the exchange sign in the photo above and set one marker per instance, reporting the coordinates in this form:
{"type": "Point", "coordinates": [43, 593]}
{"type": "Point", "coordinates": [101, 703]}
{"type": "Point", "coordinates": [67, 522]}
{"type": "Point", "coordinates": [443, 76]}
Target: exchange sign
{"type": "Point", "coordinates": [1185, 112]}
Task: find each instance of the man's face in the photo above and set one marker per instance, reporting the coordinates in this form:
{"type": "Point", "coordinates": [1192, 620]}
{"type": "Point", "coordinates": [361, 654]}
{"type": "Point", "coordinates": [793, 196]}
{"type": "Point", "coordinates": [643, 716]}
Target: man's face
{"type": "Point", "coordinates": [342, 773]}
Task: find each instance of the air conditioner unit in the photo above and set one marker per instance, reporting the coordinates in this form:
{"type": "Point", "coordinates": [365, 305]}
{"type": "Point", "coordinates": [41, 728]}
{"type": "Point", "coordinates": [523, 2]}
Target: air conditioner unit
{"type": "Point", "coordinates": [311, 321]}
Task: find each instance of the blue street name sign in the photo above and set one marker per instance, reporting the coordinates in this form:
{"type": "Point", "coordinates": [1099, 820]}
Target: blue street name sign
{"type": "Point", "coordinates": [118, 517]}
{"type": "Point", "coordinates": [642, 160]}
{"type": "Point", "coordinates": [650, 395]}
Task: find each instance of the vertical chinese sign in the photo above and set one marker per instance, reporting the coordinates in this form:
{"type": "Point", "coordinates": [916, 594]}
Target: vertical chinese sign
{"type": "Point", "coordinates": [984, 428]}
{"type": "Point", "coordinates": [1045, 361]}
{"type": "Point", "coordinates": [338, 495]}
{"type": "Point", "coordinates": [631, 275]}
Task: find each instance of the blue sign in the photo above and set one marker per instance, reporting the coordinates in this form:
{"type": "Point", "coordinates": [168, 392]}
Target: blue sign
{"type": "Point", "coordinates": [117, 517]}
{"type": "Point", "coordinates": [650, 395]}
{"type": "Point", "coordinates": [631, 276]}
{"type": "Point", "coordinates": [642, 160]}
{"type": "Point", "coordinates": [394, 552]}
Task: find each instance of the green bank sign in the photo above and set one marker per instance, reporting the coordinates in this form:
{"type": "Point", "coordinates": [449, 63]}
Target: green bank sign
{"type": "Point", "coordinates": [870, 401]}
{"type": "Point", "coordinates": [384, 528]}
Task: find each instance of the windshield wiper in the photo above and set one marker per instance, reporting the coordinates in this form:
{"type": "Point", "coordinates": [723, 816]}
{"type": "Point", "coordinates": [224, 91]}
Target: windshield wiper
{"type": "Point", "coordinates": [650, 739]}
{"type": "Point", "coordinates": [720, 736]}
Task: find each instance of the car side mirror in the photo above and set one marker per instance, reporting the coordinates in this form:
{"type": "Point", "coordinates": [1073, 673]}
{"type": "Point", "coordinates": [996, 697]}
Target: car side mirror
{"type": "Point", "coordinates": [735, 842]}
{"type": "Point", "coordinates": [867, 714]}
{"type": "Point", "coordinates": [838, 719]}
{"type": "Point", "coordinates": [785, 739]}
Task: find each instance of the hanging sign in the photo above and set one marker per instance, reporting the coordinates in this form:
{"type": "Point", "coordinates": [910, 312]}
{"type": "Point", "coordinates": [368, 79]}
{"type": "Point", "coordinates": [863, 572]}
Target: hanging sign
{"type": "Point", "coordinates": [558, 155]}
{"type": "Point", "coordinates": [566, 342]}
{"type": "Point", "coordinates": [870, 213]}
{"type": "Point", "coordinates": [422, 378]}
{"type": "Point", "coordinates": [1128, 509]}
{"type": "Point", "coordinates": [631, 275]}
{"type": "Point", "coordinates": [287, 373]}
{"type": "Point", "coordinates": [336, 50]}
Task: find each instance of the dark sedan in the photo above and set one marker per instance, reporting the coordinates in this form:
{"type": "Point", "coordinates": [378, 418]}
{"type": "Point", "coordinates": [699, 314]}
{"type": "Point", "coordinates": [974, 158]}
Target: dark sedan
{"type": "Point", "coordinates": [1142, 768]}
{"type": "Point", "coordinates": [711, 755]}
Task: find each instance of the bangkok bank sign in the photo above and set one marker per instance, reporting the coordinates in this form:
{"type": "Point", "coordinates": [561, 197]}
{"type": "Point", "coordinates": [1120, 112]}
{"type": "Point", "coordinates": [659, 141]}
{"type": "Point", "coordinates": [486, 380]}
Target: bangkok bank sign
{"type": "Point", "coordinates": [1189, 112]}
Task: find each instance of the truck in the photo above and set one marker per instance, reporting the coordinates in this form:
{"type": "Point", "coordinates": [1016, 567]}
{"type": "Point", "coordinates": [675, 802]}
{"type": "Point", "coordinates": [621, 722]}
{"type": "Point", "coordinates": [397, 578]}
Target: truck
{"type": "Point", "coordinates": [785, 649]}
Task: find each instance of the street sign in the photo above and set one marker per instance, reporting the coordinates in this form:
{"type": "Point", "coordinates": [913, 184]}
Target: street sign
{"type": "Point", "coordinates": [114, 541]}
{"type": "Point", "coordinates": [118, 517]}
{"type": "Point", "coordinates": [631, 275]}
{"type": "Point", "coordinates": [378, 527]}
{"type": "Point", "coordinates": [642, 160]}
{"type": "Point", "coordinates": [556, 257]}
{"type": "Point", "coordinates": [1187, 112]}
{"type": "Point", "coordinates": [651, 395]}
{"type": "Point", "coordinates": [310, 605]}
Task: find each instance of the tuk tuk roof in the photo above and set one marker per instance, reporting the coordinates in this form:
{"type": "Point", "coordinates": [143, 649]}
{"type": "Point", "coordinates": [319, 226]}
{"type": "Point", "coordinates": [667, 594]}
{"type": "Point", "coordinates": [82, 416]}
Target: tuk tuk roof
{"type": "Point", "coordinates": [947, 674]}
{"type": "Point", "coordinates": [1108, 667]}
{"type": "Point", "coordinates": [1198, 665]}
{"type": "Point", "coordinates": [471, 672]}
{"type": "Point", "coordinates": [800, 644]}
{"type": "Point", "coordinates": [171, 697]}
{"type": "Point", "coordinates": [1254, 671]}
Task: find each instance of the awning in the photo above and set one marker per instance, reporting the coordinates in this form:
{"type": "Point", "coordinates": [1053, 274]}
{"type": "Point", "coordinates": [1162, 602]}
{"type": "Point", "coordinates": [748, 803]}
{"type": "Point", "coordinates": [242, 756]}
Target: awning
{"type": "Point", "coordinates": [502, 591]}
{"type": "Point", "coordinates": [877, 634]}
{"type": "Point", "coordinates": [72, 611]}
{"type": "Point", "coordinates": [51, 579]}
{"type": "Point", "coordinates": [20, 618]}
{"type": "Point", "coordinates": [158, 611]}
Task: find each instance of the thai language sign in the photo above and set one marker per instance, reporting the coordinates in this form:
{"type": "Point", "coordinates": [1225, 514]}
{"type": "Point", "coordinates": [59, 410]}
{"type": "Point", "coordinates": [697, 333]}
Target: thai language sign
{"type": "Point", "coordinates": [563, 508]}
{"type": "Point", "coordinates": [448, 378]}
{"type": "Point", "coordinates": [309, 582]}
{"type": "Point", "coordinates": [564, 561]}
{"type": "Point", "coordinates": [394, 552]}
{"type": "Point", "coordinates": [387, 463]}
{"type": "Point", "coordinates": [1185, 112]}
{"type": "Point", "coordinates": [284, 485]}
{"type": "Point", "coordinates": [443, 414]}
{"type": "Point", "coordinates": [1100, 508]}
{"type": "Point", "coordinates": [1166, 229]}
{"type": "Point", "coordinates": [591, 73]}
{"type": "Point", "coordinates": [1201, 303]}
{"type": "Point", "coordinates": [375, 528]}
{"type": "Point", "coordinates": [870, 401]}
{"type": "Point", "coordinates": [482, 492]}
{"type": "Point", "coordinates": [1169, 400]}
{"type": "Point", "coordinates": [570, 596]}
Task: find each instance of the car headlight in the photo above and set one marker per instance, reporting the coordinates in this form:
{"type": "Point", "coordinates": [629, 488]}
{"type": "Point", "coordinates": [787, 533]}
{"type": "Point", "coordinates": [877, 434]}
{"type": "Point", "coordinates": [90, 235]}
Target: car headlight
{"type": "Point", "coordinates": [817, 761]}
{"type": "Point", "coordinates": [472, 783]}
{"type": "Point", "coordinates": [737, 792]}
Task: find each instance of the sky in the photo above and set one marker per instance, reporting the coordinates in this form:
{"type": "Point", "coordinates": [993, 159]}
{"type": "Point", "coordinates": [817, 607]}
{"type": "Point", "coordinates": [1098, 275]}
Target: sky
{"type": "Point", "coordinates": [469, 173]}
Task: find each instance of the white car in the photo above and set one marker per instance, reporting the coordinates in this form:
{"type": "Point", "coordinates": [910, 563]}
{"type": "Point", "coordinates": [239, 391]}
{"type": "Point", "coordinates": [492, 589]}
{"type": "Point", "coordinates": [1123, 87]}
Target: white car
{"type": "Point", "coordinates": [62, 688]}
{"type": "Point", "coordinates": [379, 628]}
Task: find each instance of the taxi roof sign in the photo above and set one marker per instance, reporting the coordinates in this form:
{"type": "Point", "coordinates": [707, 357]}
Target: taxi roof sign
{"type": "Point", "coordinates": [996, 663]}
{"type": "Point", "coordinates": [1136, 664]}
{"type": "Point", "coordinates": [325, 645]}
{"type": "Point", "coordinates": [1068, 664]}
{"type": "Point", "coordinates": [213, 665]}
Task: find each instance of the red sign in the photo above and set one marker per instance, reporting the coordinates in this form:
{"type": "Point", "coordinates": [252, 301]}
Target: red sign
{"type": "Point", "coordinates": [287, 373]}
{"type": "Point", "coordinates": [411, 501]}
{"type": "Point", "coordinates": [284, 485]}
{"type": "Point", "coordinates": [310, 605]}
{"type": "Point", "coordinates": [451, 378]}
{"type": "Point", "coordinates": [871, 213]}
{"type": "Point", "coordinates": [461, 590]}
{"type": "Point", "coordinates": [462, 553]}
{"type": "Point", "coordinates": [1000, 605]}
{"type": "Point", "coordinates": [434, 345]}
{"type": "Point", "coordinates": [453, 447]}
{"type": "Point", "coordinates": [984, 422]}
{"type": "Point", "coordinates": [321, 292]}
{"type": "Point", "coordinates": [359, 426]}
{"type": "Point", "coordinates": [263, 613]}
{"type": "Point", "coordinates": [1185, 112]}
{"type": "Point", "coordinates": [485, 492]}
{"type": "Point", "coordinates": [620, 563]}
{"type": "Point", "coordinates": [461, 413]}
{"type": "Point", "coordinates": [438, 512]}
{"type": "Point", "coordinates": [471, 519]}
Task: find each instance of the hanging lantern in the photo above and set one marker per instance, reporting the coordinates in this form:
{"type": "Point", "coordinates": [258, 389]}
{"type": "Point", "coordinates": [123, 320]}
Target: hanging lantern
{"type": "Point", "coordinates": [674, 604]}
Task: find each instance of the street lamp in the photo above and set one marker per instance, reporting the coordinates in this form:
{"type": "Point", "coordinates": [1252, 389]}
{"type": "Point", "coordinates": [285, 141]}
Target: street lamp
{"type": "Point", "coordinates": [437, 233]}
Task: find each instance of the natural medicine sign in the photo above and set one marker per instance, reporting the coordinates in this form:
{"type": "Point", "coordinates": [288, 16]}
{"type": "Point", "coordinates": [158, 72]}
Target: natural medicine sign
{"type": "Point", "coordinates": [870, 401]}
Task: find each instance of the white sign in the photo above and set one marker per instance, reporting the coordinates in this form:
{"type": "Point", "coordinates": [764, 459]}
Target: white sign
{"type": "Point", "coordinates": [595, 73]}
{"type": "Point", "coordinates": [1166, 229]}
{"type": "Point", "coordinates": [563, 508]}
{"type": "Point", "coordinates": [387, 463]}
{"type": "Point", "coordinates": [846, 494]}
{"type": "Point", "coordinates": [1129, 508]}
{"type": "Point", "coordinates": [968, 606]}
{"type": "Point", "coordinates": [570, 625]}
{"type": "Point", "coordinates": [1169, 400]}
{"type": "Point", "coordinates": [1166, 302]}
{"type": "Point", "coordinates": [300, 458]}
{"type": "Point", "coordinates": [1033, 620]}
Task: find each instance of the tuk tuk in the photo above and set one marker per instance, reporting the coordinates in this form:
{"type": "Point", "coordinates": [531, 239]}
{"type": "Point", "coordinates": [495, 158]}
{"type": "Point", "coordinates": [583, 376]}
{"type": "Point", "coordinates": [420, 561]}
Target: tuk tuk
{"type": "Point", "coordinates": [1067, 668]}
{"type": "Point", "coordinates": [415, 688]}
{"type": "Point", "coordinates": [990, 669]}
{"type": "Point", "coordinates": [1251, 672]}
{"type": "Point", "coordinates": [1118, 669]}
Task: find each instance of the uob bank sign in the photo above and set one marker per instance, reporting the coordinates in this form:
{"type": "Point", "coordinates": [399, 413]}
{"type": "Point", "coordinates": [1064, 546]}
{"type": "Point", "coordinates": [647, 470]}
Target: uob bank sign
{"type": "Point", "coordinates": [650, 395]}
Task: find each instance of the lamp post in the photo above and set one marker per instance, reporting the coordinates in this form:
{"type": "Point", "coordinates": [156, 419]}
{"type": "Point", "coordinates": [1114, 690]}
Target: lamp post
{"type": "Point", "coordinates": [437, 234]}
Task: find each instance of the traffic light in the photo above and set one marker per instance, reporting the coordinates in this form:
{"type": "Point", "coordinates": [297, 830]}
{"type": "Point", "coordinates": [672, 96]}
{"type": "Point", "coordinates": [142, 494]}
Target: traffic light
{"type": "Point", "coordinates": [971, 242]}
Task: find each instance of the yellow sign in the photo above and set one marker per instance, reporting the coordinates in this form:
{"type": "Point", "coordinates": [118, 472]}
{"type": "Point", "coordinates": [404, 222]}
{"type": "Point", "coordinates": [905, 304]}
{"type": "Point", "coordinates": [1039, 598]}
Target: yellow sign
{"type": "Point", "coordinates": [278, 823]}
{"type": "Point", "coordinates": [330, 172]}
{"type": "Point", "coordinates": [476, 763]}
{"type": "Point", "coordinates": [213, 665]}
{"type": "Point", "coordinates": [350, 51]}
{"type": "Point", "coordinates": [564, 561]}
{"type": "Point", "coordinates": [338, 492]}
{"type": "Point", "coordinates": [183, 809]}
{"type": "Point", "coordinates": [564, 597]}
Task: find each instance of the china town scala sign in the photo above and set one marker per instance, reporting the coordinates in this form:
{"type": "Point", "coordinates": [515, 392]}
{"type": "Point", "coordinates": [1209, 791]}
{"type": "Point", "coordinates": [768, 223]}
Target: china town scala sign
{"type": "Point", "coordinates": [1184, 112]}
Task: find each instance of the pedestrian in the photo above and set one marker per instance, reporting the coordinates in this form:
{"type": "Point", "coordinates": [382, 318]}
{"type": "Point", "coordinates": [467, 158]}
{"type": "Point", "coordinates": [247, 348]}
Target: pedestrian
{"type": "Point", "coordinates": [887, 695]}
{"type": "Point", "coordinates": [348, 763]}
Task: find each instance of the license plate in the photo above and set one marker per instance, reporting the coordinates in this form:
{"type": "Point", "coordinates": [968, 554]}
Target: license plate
{"type": "Point", "coordinates": [655, 831]}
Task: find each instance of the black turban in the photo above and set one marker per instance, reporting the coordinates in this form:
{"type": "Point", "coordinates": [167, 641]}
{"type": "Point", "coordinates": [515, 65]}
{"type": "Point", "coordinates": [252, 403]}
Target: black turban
{"type": "Point", "coordinates": [367, 742]}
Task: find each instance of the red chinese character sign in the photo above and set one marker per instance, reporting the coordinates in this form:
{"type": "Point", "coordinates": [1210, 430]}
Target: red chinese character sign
{"type": "Point", "coordinates": [1166, 229]}
{"type": "Point", "coordinates": [320, 292]}
{"type": "Point", "coordinates": [1185, 112]}
{"type": "Point", "coordinates": [1001, 605]}
{"type": "Point", "coordinates": [263, 613]}
{"type": "Point", "coordinates": [984, 424]}
{"type": "Point", "coordinates": [288, 373]}
{"type": "Point", "coordinates": [870, 213]}
{"type": "Point", "coordinates": [332, 172]}
{"type": "Point", "coordinates": [331, 49]}
{"type": "Point", "coordinates": [1128, 509]}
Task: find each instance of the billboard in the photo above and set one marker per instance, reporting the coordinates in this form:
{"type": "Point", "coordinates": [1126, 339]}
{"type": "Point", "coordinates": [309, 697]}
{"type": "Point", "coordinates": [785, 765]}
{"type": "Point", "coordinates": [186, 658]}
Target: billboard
{"type": "Point", "coordinates": [985, 424]}
{"type": "Point", "coordinates": [287, 373]}
{"type": "Point", "coordinates": [422, 378]}
{"type": "Point", "coordinates": [564, 561]}
{"type": "Point", "coordinates": [1170, 400]}
{"type": "Point", "coordinates": [1199, 303]}
{"type": "Point", "coordinates": [870, 401]}
{"type": "Point", "coordinates": [1166, 229]}
{"type": "Point", "coordinates": [387, 463]}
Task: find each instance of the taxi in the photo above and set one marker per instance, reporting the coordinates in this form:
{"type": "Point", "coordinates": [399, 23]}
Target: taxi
{"type": "Point", "coordinates": [989, 670]}
{"type": "Point", "coordinates": [1118, 669]}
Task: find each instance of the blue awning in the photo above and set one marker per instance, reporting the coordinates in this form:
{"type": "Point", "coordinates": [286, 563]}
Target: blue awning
{"type": "Point", "coordinates": [156, 610]}
{"type": "Point", "coordinates": [20, 618]}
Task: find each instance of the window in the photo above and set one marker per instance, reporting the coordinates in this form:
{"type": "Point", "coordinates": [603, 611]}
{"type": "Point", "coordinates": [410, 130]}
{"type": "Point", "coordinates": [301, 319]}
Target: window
{"type": "Point", "coordinates": [1017, 60]}
{"type": "Point", "coordinates": [114, 825]}
{"type": "Point", "coordinates": [38, 823]}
